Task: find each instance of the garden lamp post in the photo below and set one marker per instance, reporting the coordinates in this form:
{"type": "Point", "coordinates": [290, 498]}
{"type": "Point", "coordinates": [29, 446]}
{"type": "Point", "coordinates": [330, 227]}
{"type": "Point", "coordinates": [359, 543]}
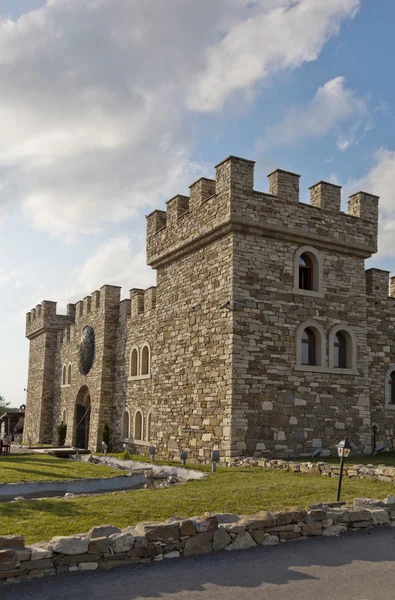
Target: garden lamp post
{"type": "Point", "coordinates": [343, 450]}
{"type": "Point", "coordinates": [152, 452]}
{"type": "Point", "coordinates": [214, 460]}
{"type": "Point", "coordinates": [105, 447]}
{"type": "Point", "coordinates": [183, 456]}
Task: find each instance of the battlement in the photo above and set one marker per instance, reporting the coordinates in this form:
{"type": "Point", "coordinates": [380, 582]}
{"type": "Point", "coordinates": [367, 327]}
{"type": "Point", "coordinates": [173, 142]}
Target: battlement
{"type": "Point", "coordinates": [379, 284]}
{"type": "Point", "coordinates": [140, 304]}
{"type": "Point", "coordinates": [44, 317]}
{"type": "Point", "coordinates": [230, 201]}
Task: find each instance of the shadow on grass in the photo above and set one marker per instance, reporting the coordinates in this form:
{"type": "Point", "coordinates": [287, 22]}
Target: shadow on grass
{"type": "Point", "coordinates": [54, 507]}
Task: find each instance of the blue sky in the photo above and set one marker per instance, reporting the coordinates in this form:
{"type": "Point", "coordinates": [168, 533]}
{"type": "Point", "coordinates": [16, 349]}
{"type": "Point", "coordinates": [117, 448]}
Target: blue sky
{"type": "Point", "coordinates": [109, 108]}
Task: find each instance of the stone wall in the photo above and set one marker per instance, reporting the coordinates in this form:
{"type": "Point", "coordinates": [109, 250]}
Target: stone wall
{"type": "Point", "coordinates": [378, 473]}
{"type": "Point", "coordinates": [381, 335]}
{"type": "Point", "coordinates": [136, 327]}
{"type": "Point", "coordinates": [106, 547]}
{"type": "Point", "coordinates": [283, 409]}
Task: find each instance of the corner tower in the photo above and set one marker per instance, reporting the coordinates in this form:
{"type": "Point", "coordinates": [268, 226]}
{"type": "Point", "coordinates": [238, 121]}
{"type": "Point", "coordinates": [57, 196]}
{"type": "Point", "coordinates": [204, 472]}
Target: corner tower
{"type": "Point", "coordinates": [42, 328]}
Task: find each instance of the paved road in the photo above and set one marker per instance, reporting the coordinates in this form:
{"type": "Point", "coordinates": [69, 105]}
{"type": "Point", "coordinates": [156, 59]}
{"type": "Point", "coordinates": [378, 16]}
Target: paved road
{"type": "Point", "coordinates": [358, 567]}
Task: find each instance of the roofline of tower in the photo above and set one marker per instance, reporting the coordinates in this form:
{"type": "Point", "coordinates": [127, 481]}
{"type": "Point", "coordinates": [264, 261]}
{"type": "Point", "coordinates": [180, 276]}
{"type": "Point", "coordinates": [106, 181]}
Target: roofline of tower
{"type": "Point", "coordinates": [326, 183]}
{"type": "Point", "coordinates": [283, 171]}
{"type": "Point", "coordinates": [231, 156]}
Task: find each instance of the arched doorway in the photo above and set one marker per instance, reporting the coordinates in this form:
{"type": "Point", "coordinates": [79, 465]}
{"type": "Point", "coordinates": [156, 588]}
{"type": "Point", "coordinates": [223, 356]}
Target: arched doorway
{"type": "Point", "coordinates": [82, 418]}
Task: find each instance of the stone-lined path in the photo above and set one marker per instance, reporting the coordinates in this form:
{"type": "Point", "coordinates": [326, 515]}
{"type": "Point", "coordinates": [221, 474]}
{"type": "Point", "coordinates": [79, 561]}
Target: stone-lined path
{"type": "Point", "coordinates": [360, 566]}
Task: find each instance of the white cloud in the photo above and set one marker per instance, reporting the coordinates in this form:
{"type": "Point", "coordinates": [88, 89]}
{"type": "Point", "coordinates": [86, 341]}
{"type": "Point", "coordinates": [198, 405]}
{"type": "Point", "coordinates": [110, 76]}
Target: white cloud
{"type": "Point", "coordinates": [332, 104]}
{"type": "Point", "coordinates": [279, 35]}
{"type": "Point", "coordinates": [12, 279]}
{"type": "Point", "coordinates": [99, 98]}
{"type": "Point", "coordinates": [114, 263]}
{"type": "Point", "coordinates": [380, 180]}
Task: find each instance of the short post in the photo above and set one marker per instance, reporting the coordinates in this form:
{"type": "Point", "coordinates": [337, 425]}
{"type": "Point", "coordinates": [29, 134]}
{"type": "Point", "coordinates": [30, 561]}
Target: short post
{"type": "Point", "coordinates": [343, 450]}
{"type": "Point", "coordinates": [214, 460]}
{"type": "Point", "coordinates": [152, 453]}
{"type": "Point", "coordinates": [374, 430]}
{"type": "Point", "coordinates": [105, 447]}
{"type": "Point", "coordinates": [183, 457]}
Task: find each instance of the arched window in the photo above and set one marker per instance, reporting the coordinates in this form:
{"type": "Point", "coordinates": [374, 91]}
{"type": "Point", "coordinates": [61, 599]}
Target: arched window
{"type": "Point", "coordinates": [69, 375]}
{"type": "Point", "coordinates": [340, 351]}
{"type": "Point", "coordinates": [391, 383]}
{"type": "Point", "coordinates": [342, 347]}
{"type": "Point", "coordinates": [64, 417]}
{"type": "Point", "coordinates": [134, 355]}
{"type": "Point", "coordinates": [149, 418]}
{"type": "Point", "coordinates": [64, 375]}
{"type": "Point", "coordinates": [309, 347]}
{"type": "Point", "coordinates": [308, 272]}
{"type": "Point", "coordinates": [126, 425]}
{"type": "Point", "coordinates": [145, 360]}
{"type": "Point", "coordinates": [305, 272]}
{"type": "Point", "coordinates": [138, 425]}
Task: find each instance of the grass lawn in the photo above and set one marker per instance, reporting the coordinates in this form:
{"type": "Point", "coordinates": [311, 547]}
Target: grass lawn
{"type": "Point", "coordinates": [239, 490]}
{"type": "Point", "coordinates": [41, 467]}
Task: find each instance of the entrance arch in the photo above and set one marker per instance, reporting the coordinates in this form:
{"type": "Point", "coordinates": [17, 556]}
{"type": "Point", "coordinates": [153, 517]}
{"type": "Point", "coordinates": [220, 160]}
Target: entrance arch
{"type": "Point", "coordinates": [82, 418]}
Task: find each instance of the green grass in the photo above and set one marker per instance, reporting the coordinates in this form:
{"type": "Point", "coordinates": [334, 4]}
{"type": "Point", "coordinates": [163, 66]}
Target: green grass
{"type": "Point", "coordinates": [238, 490]}
{"type": "Point", "coordinates": [40, 467]}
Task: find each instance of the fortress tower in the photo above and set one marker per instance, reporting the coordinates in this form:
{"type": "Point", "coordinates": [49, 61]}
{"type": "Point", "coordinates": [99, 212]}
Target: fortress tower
{"type": "Point", "coordinates": [259, 338]}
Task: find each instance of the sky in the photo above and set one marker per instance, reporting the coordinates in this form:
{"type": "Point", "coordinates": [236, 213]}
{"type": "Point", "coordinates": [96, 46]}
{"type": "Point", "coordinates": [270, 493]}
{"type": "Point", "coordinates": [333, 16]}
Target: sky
{"type": "Point", "coordinates": [110, 107]}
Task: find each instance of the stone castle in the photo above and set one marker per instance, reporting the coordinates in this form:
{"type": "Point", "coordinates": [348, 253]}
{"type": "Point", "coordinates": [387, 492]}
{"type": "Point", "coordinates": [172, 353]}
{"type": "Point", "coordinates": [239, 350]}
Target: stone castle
{"type": "Point", "coordinates": [264, 336]}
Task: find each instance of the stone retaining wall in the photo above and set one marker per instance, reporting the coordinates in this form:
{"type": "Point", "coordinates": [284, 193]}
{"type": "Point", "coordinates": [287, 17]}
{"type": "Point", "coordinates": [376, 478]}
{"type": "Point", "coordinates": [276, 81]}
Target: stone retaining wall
{"type": "Point", "coordinates": [380, 472]}
{"type": "Point", "coordinates": [106, 546]}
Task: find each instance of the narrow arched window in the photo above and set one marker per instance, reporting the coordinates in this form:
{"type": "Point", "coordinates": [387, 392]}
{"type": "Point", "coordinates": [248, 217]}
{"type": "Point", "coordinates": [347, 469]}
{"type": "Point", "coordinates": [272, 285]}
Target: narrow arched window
{"type": "Point", "coordinates": [309, 347]}
{"type": "Point", "coordinates": [64, 375]}
{"type": "Point", "coordinates": [138, 426]}
{"type": "Point", "coordinates": [126, 425]}
{"type": "Point", "coordinates": [392, 387]}
{"type": "Point", "coordinates": [145, 361]}
{"type": "Point", "coordinates": [64, 418]}
{"type": "Point", "coordinates": [69, 375]}
{"type": "Point", "coordinates": [340, 351]}
{"type": "Point", "coordinates": [149, 426]}
{"type": "Point", "coordinates": [305, 272]}
{"type": "Point", "coordinates": [134, 362]}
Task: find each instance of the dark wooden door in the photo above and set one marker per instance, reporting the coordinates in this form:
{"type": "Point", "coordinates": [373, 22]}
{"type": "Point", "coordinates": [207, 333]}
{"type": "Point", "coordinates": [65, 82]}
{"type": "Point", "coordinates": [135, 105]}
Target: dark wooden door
{"type": "Point", "coordinates": [82, 428]}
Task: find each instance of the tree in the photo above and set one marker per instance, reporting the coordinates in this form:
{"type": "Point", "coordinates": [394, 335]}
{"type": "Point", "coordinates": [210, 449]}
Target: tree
{"type": "Point", "coordinates": [3, 405]}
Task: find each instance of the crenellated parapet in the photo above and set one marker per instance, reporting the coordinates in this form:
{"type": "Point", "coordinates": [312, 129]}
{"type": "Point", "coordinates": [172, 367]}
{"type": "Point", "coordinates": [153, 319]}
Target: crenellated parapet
{"type": "Point", "coordinates": [142, 303]}
{"type": "Point", "coordinates": [44, 318]}
{"type": "Point", "coordinates": [230, 203]}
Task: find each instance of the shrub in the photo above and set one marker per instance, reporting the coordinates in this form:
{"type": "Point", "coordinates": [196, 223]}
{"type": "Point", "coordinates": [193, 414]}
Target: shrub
{"type": "Point", "coordinates": [61, 431]}
{"type": "Point", "coordinates": [125, 455]}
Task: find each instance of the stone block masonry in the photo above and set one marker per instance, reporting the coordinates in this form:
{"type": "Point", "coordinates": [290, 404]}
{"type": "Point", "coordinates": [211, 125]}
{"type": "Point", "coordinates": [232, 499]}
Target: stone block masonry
{"type": "Point", "coordinates": [215, 356]}
{"type": "Point", "coordinates": [378, 473]}
{"type": "Point", "coordinates": [107, 547]}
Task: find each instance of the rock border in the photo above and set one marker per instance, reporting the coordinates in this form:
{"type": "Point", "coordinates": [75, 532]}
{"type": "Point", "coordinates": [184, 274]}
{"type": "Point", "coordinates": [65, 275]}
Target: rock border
{"type": "Point", "coordinates": [106, 546]}
{"type": "Point", "coordinates": [379, 472]}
